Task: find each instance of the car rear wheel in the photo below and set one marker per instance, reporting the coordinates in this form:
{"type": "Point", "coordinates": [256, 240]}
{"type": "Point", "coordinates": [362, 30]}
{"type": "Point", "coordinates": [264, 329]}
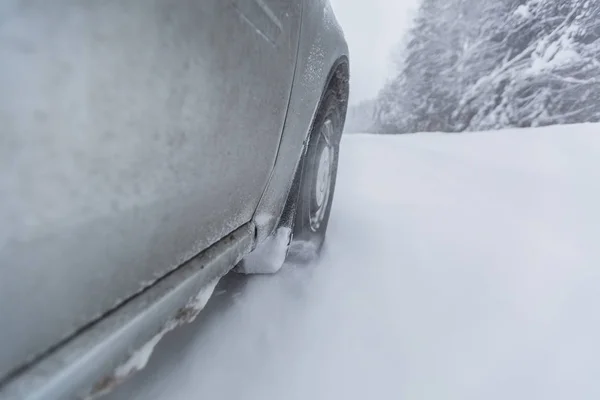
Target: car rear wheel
{"type": "Point", "coordinates": [317, 184]}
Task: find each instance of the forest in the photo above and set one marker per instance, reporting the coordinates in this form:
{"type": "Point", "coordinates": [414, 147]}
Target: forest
{"type": "Point", "coordinates": [471, 65]}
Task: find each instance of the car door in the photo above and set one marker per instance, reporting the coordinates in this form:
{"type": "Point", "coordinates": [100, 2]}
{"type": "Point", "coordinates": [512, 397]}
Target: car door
{"type": "Point", "coordinates": [135, 134]}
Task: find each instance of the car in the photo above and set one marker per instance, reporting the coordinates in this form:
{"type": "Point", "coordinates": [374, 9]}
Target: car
{"type": "Point", "coordinates": [148, 148]}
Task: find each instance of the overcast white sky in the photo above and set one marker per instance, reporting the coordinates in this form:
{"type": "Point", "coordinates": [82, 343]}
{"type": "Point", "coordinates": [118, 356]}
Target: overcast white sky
{"type": "Point", "coordinates": [372, 28]}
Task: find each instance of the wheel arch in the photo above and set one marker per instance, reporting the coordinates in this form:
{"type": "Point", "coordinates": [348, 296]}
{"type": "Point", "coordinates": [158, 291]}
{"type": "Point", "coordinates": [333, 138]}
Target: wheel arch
{"type": "Point", "coordinates": [339, 81]}
{"type": "Point", "coordinates": [293, 146]}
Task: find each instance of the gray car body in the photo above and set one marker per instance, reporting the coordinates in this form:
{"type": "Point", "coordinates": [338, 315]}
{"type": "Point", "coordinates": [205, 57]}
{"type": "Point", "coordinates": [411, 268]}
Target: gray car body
{"type": "Point", "coordinates": [146, 147]}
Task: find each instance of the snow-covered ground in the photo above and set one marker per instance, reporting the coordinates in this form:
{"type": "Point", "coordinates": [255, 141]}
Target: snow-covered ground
{"type": "Point", "coordinates": [457, 267]}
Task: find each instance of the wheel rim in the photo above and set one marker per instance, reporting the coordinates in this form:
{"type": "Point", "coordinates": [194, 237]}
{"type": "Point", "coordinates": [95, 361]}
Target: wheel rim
{"type": "Point", "coordinates": [321, 185]}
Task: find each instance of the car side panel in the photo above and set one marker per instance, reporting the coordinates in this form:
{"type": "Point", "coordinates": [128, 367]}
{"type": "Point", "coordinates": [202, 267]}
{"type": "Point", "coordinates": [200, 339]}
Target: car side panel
{"type": "Point", "coordinates": [322, 46]}
{"type": "Point", "coordinates": [134, 134]}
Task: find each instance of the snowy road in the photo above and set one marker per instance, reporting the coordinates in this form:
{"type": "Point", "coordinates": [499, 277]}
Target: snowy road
{"type": "Point", "coordinates": [457, 267]}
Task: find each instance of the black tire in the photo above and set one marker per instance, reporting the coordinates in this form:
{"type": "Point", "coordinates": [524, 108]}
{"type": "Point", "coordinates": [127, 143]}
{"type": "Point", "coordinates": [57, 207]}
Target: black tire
{"type": "Point", "coordinates": [313, 206]}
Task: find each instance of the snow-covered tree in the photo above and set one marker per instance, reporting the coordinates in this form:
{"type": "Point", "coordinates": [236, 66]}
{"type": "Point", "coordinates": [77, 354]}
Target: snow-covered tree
{"type": "Point", "coordinates": [485, 64]}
